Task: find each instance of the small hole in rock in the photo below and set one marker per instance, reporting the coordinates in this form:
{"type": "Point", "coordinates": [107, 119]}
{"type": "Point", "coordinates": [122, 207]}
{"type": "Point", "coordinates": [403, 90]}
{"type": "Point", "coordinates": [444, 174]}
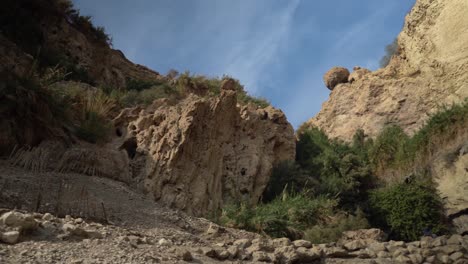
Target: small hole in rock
{"type": "Point", "coordinates": [130, 145]}
{"type": "Point", "coordinates": [118, 132]}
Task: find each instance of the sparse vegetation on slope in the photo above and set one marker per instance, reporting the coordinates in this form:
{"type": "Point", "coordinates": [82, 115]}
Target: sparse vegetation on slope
{"type": "Point", "coordinates": [145, 92]}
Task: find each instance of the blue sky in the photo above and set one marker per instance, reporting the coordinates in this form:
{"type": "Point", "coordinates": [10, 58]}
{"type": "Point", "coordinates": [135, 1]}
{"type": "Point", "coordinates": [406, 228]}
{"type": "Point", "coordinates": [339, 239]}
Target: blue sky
{"type": "Point", "coordinates": [279, 49]}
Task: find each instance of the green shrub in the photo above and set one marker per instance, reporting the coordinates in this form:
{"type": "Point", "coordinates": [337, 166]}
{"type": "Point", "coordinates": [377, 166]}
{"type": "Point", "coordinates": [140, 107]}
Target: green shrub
{"type": "Point", "coordinates": [284, 216]}
{"type": "Point", "coordinates": [406, 209]}
{"type": "Point", "coordinates": [147, 96]}
{"type": "Point", "coordinates": [140, 85]}
{"type": "Point", "coordinates": [94, 128]}
{"type": "Point", "coordinates": [244, 98]}
{"type": "Point", "coordinates": [393, 149]}
{"type": "Point", "coordinates": [341, 170]}
{"type": "Point", "coordinates": [287, 176]}
{"type": "Point", "coordinates": [390, 50]}
{"type": "Point", "coordinates": [388, 149]}
{"type": "Point", "coordinates": [333, 230]}
{"type": "Point", "coordinates": [238, 216]}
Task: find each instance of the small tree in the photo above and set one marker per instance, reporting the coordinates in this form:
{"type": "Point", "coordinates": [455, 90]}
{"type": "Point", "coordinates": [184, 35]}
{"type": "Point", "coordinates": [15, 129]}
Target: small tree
{"type": "Point", "coordinates": [390, 50]}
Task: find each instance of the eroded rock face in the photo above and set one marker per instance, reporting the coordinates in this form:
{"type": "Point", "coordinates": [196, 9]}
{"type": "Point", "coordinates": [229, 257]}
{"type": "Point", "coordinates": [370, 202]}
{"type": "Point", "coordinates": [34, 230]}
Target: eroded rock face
{"type": "Point", "coordinates": [335, 76]}
{"type": "Point", "coordinates": [205, 152]}
{"type": "Point", "coordinates": [429, 72]}
{"type": "Point", "coordinates": [450, 174]}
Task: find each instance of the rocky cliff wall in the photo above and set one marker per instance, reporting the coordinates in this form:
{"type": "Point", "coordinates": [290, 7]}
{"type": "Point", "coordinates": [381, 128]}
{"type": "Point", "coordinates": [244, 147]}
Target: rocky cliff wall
{"type": "Point", "coordinates": [430, 71]}
{"type": "Point", "coordinates": [203, 153]}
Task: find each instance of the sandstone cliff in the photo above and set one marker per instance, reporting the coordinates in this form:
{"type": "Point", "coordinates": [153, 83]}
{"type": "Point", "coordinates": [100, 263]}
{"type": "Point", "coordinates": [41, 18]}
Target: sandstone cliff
{"type": "Point", "coordinates": [203, 153]}
{"type": "Point", "coordinates": [429, 72]}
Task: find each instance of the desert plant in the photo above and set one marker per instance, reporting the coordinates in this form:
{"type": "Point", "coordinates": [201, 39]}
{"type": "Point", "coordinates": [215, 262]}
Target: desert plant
{"type": "Point", "coordinates": [341, 170]}
{"type": "Point", "coordinates": [94, 128]}
{"type": "Point", "coordinates": [287, 176]}
{"type": "Point", "coordinates": [406, 209]}
{"type": "Point", "coordinates": [286, 215]}
{"type": "Point", "coordinates": [391, 50]}
{"type": "Point", "coordinates": [333, 230]}
{"type": "Point", "coordinates": [388, 148]}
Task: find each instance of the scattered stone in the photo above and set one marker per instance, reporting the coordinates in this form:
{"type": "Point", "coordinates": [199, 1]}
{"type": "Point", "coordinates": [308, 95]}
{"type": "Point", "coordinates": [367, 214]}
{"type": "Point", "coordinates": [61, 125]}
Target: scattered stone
{"type": "Point", "coordinates": [306, 255]}
{"type": "Point", "coordinates": [355, 245]}
{"type": "Point", "coordinates": [25, 222]}
{"type": "Point", "coordinates": [242, 243]}
{"type": "Point", "coordinates": [286, 254]}
{"type": "Point", "coordinates": [362, 254]}
{"type": "Point", "coordinates": [185, 255]}
{"type": "Point", "coordinates": [402, 259]}
{"type": "Point", "coordinates": [260, 256]}
{"type": "Point", "coordinates": [439, 241]}
{"type": "Point", "coordinates": [47, 217]}
{"type": "Point", "coordinates": [281, 242]}
{"type": "Point", "coordinates": [233, 251]}
{"type": "Point", "coordinates": [302, 243]}
{"type": "Point", "coordinates": [456, 256]}
{"type": "Point", "coordinates": [443, 258]}
{"type": "Point", "coordinates": [377, 247]}
{"type": "Point", "coordinates": [383, 254]}
{"type": "Point", "coordinates": [449, 249]}
{"type": "Point", "coordinates": [209, 252]}
{"type": "Point", "coordinates": [455, 240]}
{"type": "Point", "coordinates": [78, 220]}
{"type": "Point", "coordinates": [426, 242]}
{"type": "Point", "coordinates": [400, 252]}
{"type": "Point", "coordinates": [164, 242]}
{"type": "Point", "coordinates": [416, 258]}
{"type": "Point", "coordinates": [222, 254]}
{"type": "Point", "coordinates": [335, 252]}
{"type": "Point", "coordinates": [10, 237]}
{"type": "Point", "coordinates": [214, 229]}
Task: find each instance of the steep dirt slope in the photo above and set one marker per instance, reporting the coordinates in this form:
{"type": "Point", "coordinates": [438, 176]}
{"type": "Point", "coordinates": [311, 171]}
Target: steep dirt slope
{"type": "Point", "coordinates": [429, 72]}
{"type": "Point", "coordinates": [54, 33]}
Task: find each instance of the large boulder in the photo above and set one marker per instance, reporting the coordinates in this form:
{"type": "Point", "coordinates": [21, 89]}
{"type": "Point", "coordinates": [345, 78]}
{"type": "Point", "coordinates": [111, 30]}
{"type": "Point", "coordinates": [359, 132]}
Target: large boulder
{"type": "Point", "coordinates": [335, 76]}
{"type": "Point", "coordinates": [202, 153]}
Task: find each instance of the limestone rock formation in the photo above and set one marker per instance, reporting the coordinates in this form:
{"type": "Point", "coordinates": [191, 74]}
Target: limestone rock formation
{"type": "Point", "coordinates": [429, 71]}
{"type": "Point", "coordinates": [203, 153]}
{"type": "Point", "coordinates": [335, 76]}
{"type": "Point", "coordinates": [357, 74]}
{"type": "Point", "coordinates": [450, 174]}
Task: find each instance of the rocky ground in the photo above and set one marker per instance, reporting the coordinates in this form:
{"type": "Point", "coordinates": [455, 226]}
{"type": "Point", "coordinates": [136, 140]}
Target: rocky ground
{"type": "Point", "coordinates": [128, 227]}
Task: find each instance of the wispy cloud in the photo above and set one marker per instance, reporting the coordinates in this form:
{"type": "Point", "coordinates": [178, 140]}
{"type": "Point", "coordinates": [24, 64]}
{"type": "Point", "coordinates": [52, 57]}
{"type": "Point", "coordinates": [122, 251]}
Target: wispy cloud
{"type": "Point", "coordinates": [261, 47]}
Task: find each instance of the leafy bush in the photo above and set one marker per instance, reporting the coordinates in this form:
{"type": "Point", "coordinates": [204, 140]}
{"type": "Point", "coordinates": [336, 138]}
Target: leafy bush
{"type": "Point", "coordinates": [393, 149]}
{"type": "Point", "coordinates": [91, 109]}
{"type": "Point", "coordinates": [140, 85]}
{"type": "Point", "coordinates": [144, 97]}
{"type": "Point", "coordinates": [406, 209]}
{"type": "Point", "coordinates": [388, 148]}
{"type": "Point", "coordinates": [390, 50]}
{"type": "Point", "coordinates": [287, 176]}
{"type": "Point", "coordinates": [94, 128]}
{"type": "Point", "coordinates": [333, 230]}
{"type": "Point", "coordinates": [342, 170]}
{"type": "Point", "coordinates": [284, 216]}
